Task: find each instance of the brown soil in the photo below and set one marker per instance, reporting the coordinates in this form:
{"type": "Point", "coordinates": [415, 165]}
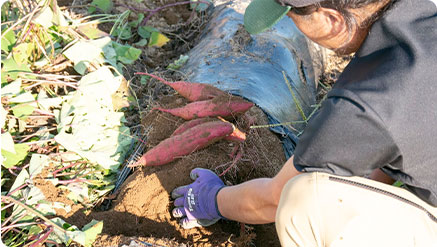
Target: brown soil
{"type": "Point", "coordinates": [143, 205]}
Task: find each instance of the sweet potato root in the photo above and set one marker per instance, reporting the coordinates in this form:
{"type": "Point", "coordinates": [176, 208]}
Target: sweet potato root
{"type": "Point", "coordinates": [224, 106]}
{"type": "Point", "coordinates": [236, 135]}
{"type": "Point", "coordinates": [193, 91]}
{"type": "Point", "coordinates": [189, 141]}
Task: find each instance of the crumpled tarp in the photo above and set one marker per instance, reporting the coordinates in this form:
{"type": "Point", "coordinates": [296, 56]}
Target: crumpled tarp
{"type": "Point", "coordinates": [252, 66]}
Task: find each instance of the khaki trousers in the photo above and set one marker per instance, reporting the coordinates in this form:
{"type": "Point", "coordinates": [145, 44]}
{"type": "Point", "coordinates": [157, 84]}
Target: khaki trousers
{"type": "Point", "coordinates": [319, 209]}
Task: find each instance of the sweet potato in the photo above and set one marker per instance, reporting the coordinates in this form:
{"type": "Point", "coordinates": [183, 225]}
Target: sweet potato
{"type": "Point", "coordinates": [193, 91]}
{"type": "Point", "coordinates": [189, 141]}
{"type": "Point", "coordinates": [220, 106]}
{"type": "Point", "coordinates": [236, 135]}
{"type": "Point", "coordinates": [190, 124]}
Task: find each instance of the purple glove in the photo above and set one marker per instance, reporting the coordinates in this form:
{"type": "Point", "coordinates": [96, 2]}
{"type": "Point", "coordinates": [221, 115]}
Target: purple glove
{"type": "Point", "coordinates": [196, 203]}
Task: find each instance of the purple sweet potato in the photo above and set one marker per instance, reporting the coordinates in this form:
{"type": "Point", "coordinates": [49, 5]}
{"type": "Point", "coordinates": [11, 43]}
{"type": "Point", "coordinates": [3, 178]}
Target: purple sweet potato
{"type": "Point", "coordinates": [224, 106]}
{"type": "Point", "coordinates": [237, 135]}
{"type": "Point", "coordinates": [189, 141]}
{"type": "Point", "coordinates": [193, 91]}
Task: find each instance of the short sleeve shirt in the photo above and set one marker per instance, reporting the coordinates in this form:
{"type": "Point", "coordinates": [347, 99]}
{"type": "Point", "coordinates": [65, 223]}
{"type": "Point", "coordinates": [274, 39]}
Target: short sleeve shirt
{"type": "Point", "coordinates": [382, 111]}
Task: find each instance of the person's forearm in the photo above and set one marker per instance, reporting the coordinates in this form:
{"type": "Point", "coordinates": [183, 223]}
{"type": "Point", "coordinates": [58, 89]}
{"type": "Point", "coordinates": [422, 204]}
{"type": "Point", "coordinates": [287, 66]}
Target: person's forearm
{"type": "Point", "coordinates": [380, 176]}
{"type": "Point", "coordinates": [249, 202]}
{"type": "Point", "coordinates": [255, 201]}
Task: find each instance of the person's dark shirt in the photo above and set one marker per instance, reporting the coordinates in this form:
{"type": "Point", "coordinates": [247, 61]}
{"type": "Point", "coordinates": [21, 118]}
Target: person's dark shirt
{"type": "Point", "coordinates": [382, 111]}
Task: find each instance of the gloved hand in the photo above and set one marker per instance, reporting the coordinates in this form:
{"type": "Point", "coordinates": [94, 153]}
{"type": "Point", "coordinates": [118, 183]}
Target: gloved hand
{"type": "Point", "coordinates": [196, 203]}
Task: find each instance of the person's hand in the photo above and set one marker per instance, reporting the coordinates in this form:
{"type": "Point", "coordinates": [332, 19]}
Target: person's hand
{"type": "Point", "coordinates": [196, 203]}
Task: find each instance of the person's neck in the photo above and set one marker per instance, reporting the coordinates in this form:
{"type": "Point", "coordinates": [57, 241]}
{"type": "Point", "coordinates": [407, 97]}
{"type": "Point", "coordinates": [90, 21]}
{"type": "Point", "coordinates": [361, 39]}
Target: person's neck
{"type": "Point", "coordinates": [364, 19]}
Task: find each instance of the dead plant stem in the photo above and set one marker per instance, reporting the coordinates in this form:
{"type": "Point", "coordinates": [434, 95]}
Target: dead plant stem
{"type": "Point", "coordinates": [31, 210]}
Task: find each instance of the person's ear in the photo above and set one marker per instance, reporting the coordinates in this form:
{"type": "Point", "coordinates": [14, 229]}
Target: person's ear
{"type": "Point", "coordinates": [332, 20]}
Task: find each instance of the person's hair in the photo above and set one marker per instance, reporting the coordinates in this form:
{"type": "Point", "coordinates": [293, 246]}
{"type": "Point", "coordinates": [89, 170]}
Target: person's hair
{"type": "Point", "coordinates": [343, 7]}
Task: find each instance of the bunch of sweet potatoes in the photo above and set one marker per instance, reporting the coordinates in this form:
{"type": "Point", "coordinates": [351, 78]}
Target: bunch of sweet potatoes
{"type": "Point", "coordinates": [203, 127]}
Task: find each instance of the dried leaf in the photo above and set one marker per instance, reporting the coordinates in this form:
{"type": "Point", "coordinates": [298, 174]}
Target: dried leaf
{"type": "Point", "coordinates": [37, 163]}
{"type": "Point", "coordinates": [44, 17]}
{"type": "Point", "coordinates": [92, 32]}
{"type": "Point", "coordinates": [3, 114]}
{"type": "Point", "coordinates": [11, 88]}
{"type": "Point", "coordinates": [8, 142]}
{"type": "Point", "coordinates": [97, 132]}
{"type": "Point", "coordinates": [158, 39]}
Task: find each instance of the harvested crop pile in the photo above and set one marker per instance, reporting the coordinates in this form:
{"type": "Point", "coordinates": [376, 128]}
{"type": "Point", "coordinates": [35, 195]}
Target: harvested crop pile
{"type": "Point", "coordinates": [142, 207]}
{"type": "Point", "coordinates": [201, 130]}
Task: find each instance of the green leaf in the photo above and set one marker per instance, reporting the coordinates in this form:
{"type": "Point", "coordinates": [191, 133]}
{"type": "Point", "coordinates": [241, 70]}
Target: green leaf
{"type": "Point", "coordinates": [22, 52]}
{"type": "Point", "coordinates": [143, 81]}
{"type": "Point", "coordinates": [5, 45]}
{"type": "Point", "coordinates": [63, 117]}
{"type": "Point", "coordinates": [139, 19]}
{"type": "Point", "coordinates": [8, 143]}
{"type": "Point", "coordinates": [142, 42]}
{"type": "Point", "coordinates": [11, 159]}
{"type": "Point", "coordinates": [146, 31]}
{"type": "Point", "coordinates": [25, 97]}
{"type": "Point", "coordinates": [33, 230]}
{"type": "Point", "coordinates": [45, 103]}
{"type": "Point", "coordinates": [19, 180]}
{"type": "Point", "coordinates": [91, 9]}
{"type": "Point", "coordinates": [22, 111]}
{"type": "Point", "coordinates": [58, 18]}
{"type": "Point", "coordinates": [72, 233]}
{"type": "Point", "coordinates": [104, 5]}
{"type": "Point", "coordinates": [125, 53]}
{"type": "Point", "coordinates": [81, 67]}
{"type": "Point", "coordinates": [10, 36]}
{"type": "Point", "coordinates": [199, 6]}
{"type": "Point", "coordinates": [91, 230]}
{"type": "Point", "coordinates": [78, 192]}
{"type": "Point", "coordinates": [178, 63]}
{"type": "Point", "coordinates": [158, 39]}
{"type": "Point", "coordinates": [11, 69]}
{"type": "Point", "coordinates": [33, 195]}
{"type": "Point", "coordinates": [123, 33]}
{"type": "Point", "coordinates": [130, 56]}
{"type": "Point", "coordinates": [398, 184]}
{"type": "Point", "coordinates": [8, 41]}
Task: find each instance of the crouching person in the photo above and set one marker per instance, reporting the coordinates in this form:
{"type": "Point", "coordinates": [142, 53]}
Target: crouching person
{"type": "Point", "coordinates": [377, 125]}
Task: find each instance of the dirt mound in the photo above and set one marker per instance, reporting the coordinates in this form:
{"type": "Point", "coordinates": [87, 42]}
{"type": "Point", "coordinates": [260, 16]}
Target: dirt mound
{"type": "Point", "coordinates": [143, 205]}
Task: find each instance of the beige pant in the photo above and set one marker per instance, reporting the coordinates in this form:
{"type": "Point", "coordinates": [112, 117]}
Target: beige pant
{"type": "Point", "coordinates": [318, 209]}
